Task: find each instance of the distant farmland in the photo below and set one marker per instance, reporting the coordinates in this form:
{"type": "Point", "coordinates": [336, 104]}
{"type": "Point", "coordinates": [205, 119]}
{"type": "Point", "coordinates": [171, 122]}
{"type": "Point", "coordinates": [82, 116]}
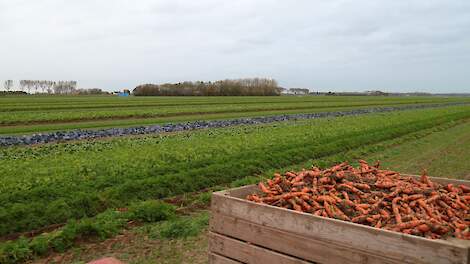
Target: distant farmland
{"type": "Point", "coordinates": [57, 195]}
{"type": "Point", "coordinates": [30, 114]}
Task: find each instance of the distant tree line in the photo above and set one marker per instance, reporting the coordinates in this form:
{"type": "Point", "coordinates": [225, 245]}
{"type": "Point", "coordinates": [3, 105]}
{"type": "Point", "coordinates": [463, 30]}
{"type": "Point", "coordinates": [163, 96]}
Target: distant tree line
{"type": "Point", "coordinates": [50, 87]}
{"type": "Point", "coordinates": [235, 87]}
{"type": "Point", "coordinates": [8, 84]}
{"type": "Point", "coordinates": [90, 91]}
{"type": "Point", "coordinates": [12, 93]}
{"type": "Point", "coordinates": [295, 91]}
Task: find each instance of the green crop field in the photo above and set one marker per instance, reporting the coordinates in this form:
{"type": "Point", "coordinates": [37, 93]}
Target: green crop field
{"type": "Point", "coordinates": [62, 193]}
{"type": "Point", "coordinates": [29, 114]}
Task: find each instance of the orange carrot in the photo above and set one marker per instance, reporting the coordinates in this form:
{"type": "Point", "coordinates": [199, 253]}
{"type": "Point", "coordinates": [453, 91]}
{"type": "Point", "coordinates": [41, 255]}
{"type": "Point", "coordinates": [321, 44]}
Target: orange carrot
{"type": "Point", "coordinates": [396, 212]}
{"type": "Point", "coordinates": [263, 188]}
{"type": "Point", "coordinates": [410, 224]}
{"type": "Point", "coordinates": [371, 196]}
{"type": "Point", "coordinates": [423, 228]}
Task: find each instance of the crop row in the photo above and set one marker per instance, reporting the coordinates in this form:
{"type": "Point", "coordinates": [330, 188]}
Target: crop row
{"type": "Point", "coordinates": [204, 124]}
{"type": "Point", "coordinates": [45, 103]}
{"type": "Point", "coordinates": [16, 117]}
{"type": "Point", "coordinates": [50, 184]}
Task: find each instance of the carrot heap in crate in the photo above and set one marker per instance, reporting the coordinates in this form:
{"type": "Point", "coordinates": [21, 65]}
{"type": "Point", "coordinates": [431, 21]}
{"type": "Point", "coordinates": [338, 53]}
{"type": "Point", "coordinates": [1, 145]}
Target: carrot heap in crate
{"type": "Point", "coordinates": [371, 196]}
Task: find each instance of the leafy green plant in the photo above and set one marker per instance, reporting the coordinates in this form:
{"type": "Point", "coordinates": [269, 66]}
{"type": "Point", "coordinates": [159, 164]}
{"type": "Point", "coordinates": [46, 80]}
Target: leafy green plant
{"type": "Point", "coordinates": [14, 252]}
{"type": "Point", "coordinates": [152, 211]}
{"type": "Point", "coordinates": [183, 227]}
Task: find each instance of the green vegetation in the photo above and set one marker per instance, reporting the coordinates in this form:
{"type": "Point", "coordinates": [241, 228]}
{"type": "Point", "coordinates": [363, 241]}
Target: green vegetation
{"type": "Point", "coordinates": [443, 154]}
{"type": "Point", "coordinates": [104, 225]}
{"type": "Point", "coordinates": [236, 87]}
{"type": "Point", "coordinates": [146, 244]}
{"type": "Point", "coordinates": [80, 183]}
{"type": "Point", "coordinates": [180, 228]}
{"type": "Point", "coordinates": [52, 183]}
{"type": "Point", "coordinates": [91, 190]}
{"type": "Point", "coordinates": [29, 114]}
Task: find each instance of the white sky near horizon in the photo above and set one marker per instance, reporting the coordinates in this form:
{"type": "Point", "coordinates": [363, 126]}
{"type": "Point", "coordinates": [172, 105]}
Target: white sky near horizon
{"type": "Point", "coordinates": [335, 45]}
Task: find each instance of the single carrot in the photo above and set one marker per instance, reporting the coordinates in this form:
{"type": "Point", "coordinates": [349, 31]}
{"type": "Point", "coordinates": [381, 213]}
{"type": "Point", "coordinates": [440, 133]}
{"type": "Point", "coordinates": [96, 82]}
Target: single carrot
{"type": "Point", "coordinates": [290, 174]}
{"type": "Point", "coordinates": [423, 228]}
{"type": "Point", "coordinates": [410, 224]}
{"type": "Point", "coordinates": [263, 188]}
{"type": "Point", "coordinates": [396, 212]}
{"type": "Point", "coordinates": [465, 189]}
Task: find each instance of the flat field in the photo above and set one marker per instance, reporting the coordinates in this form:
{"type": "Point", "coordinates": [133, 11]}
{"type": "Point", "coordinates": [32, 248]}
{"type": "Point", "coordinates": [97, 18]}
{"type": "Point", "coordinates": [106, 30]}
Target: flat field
{"type": "Point", "coordinates": [30, 114]}
{"type": "Point", "coordinates": [67, 192]}
{"type": "Point", "coordinates": [410, 153]}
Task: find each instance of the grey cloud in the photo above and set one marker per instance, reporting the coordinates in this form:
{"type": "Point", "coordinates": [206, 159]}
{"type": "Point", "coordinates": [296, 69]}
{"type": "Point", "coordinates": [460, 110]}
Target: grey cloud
{"type": "Point", "coordinates": [402, 45]}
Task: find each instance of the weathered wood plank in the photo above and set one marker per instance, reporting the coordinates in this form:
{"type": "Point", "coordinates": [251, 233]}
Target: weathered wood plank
{"type": "Point", "coordinates": [292, 244]}
{"type": "Point", "coordinates": [396, 246]}
{"type": "Point", "coordinates": [218, 259]}
{"type": "Point", "coordinates": [247, 253]}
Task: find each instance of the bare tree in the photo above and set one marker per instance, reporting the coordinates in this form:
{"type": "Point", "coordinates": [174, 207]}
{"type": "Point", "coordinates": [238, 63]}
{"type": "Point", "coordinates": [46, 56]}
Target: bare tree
{"type": "Point", "coordinates": [22, 85]}
{"type": "Point", "coordinates": [42, 86]}
{"type": "Point", "coordinates": [29, 84]}
{"type": "Point", "coordinates": [8, 84]}
{"type": "Point", "coordinates": [36, 85]}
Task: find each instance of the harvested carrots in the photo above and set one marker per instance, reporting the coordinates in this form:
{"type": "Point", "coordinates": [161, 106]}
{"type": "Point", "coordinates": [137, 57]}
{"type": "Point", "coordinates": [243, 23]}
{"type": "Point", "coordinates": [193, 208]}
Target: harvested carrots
{"type": "Point", "coordinates": [374, 197]}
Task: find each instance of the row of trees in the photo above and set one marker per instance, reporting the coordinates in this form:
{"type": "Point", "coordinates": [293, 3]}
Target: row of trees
{"type": "Point", "coordinates": [56, 87]}
{"type": "Point", "coordinates": [236, 87]}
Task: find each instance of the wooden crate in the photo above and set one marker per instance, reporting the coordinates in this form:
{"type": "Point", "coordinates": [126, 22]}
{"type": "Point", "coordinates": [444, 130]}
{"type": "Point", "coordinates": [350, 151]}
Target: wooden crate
{"type": "Point", "coordinates": [246, 232]}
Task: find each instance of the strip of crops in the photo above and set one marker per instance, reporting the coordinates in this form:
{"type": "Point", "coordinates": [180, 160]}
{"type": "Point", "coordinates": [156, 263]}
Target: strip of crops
{"type": "Point", "coordinates": [32, 103]}
{"type": "Point", "coordinates": [37, 112]}
{"type": "Point", "coordinates": [98, 125]}
{"type": "Point", "coordinates": [53, 183]}
{"type": "Point", "coordinates": [109, 223]}
{"type": "Point", "coordinates": [197, 125]}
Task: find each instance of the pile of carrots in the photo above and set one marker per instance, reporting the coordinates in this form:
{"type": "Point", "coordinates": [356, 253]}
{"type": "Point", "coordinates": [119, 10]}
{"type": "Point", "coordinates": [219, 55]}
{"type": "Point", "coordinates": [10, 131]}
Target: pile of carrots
{"type": "Point", "coordinates": [374, 197]}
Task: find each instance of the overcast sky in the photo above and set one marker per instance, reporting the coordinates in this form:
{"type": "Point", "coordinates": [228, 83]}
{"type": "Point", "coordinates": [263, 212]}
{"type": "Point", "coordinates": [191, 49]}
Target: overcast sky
{"type": "Point", "coordinates": [337, 45]}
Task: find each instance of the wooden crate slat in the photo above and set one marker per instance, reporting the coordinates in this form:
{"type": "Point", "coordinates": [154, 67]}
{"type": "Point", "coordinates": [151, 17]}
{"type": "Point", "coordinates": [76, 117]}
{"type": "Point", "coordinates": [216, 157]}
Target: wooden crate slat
{"type": "Point", "coordinates": [218, 259]}
{"type": "Point", "coordinates": [288, 243]}
{"type": "Point", "coordinates": [247, 253]}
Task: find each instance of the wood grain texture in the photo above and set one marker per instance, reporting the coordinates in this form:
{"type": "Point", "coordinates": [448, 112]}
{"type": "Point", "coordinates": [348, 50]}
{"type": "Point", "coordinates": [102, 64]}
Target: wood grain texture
{"type": "Point", "coordinates": [218, 259]}
{"type": "Point", "coordinates": [292, 244]}
{"type": "Point", "coordinates": [246, 252]}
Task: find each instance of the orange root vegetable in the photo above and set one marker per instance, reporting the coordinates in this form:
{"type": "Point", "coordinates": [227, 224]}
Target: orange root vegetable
{"type": "Point", "coordinates": [370, 196]}
{"type": "Point", "coordinates": [464, 188]}
{"type": "Point", "coordinates": [396, 212]}
{"type": "Point", "coordinates": [413, 197]}
{"type": "Point", "coordinates": [425, 179]}
{"type": "Point", "coordinates": [423, 228]}
{"type": "Point", "coordinates": [460, 203]}
{"type": "Point", "coordinates": [409, 225]}
{"type": "Point", "coordinates": [290, 174]}
{"type": "Point", "coordinates": [378, 224]}
{"type": "Point", "coordinates": [263, 188]}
